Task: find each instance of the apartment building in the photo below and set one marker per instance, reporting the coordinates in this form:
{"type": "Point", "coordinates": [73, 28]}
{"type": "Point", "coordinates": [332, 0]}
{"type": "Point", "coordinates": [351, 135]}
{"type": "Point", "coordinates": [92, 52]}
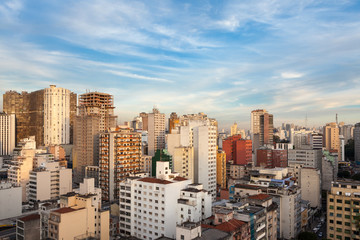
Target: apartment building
{"type": "Point", "coordinates": [221, 168]}
{"type": "Point", "coordinates": [331, 139]}
{"type": "Point", "coordinates": [271, 158]}
{"type": "Point", "coordinates": [49, 181]}
{"type": "Point", "coordinates": [120, 151]}
{"type": "Point", "coordinates": [156, 131]}
{"type": "Point", "coordinates": [343, 206]}
{"type": "Point", "coordinates": [238, 150]}
{"type": "Point", "coordinates": [10, 200]}
{"type": "Point", "coordinates": [148, 206]}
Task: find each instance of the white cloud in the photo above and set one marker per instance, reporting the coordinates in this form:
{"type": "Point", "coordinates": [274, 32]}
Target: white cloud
{"type": "Point", "coordinates": [287, 75]}
{"type": "Point", "coordinates": [137, 76]}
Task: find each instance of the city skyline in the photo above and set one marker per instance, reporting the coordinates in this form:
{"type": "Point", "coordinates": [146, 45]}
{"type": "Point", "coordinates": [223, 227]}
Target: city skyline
{"type": "Point", "coordinates": [224, 59]}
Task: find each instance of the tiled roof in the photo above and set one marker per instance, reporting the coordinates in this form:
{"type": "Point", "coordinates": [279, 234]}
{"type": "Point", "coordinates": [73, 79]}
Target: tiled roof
{"type": "Point", "coordinates": [30, 217]}
{"type": "Point", "coordinates": [154, 180]}
{"type": "Point", "coordinates": [65, 210]}
{"type": "Point", "coordinates": [260, 196]}
{"type": "Point", "coordinates": [180, 179]}
{"type": "Point", "coordinates": [230, 226]}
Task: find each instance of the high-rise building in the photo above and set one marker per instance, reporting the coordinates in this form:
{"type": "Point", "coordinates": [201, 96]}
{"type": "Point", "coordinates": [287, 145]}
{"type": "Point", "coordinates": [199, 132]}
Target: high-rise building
{"type": "Point", "coordinates": [347, 131]}
{"type": "Point", "coordinates": [238, 150]}
{"type": "Point", "coordinates": [331, 139]}
{"type": "Point", "coordinates": [343, 206]}
{"type": "Point", "coordinates": [47, 114]}
{"type": "Point", "coordinates": [120, 152]}
{"type": "Point", "coordinates": [233, 129]}
{"type": "Point", "coordinates": [357, 142]}
{"type": "Point", "coordinates": [7, 133]}
{"type": "Point", "coordinates": [29, 112]}
{"type": "Point", "coordinates": [199, 131]}
{"type": "Point", "coordinates": [316, 140]}
{"type": "Point", "coordinates": [10, 200]}
{"type": "Point", "coordinates": [262, 123]}
{"type": "Point", "coordinates": [96, 114]}
{"type": "Point", "coordinates": [57, 111]}
{"type": "Point", "coordinates": [221, 168]}
{"type": "Point", "coordinates": [156, 131]}
{"type": "Point", "coordinates": [310, 185]}
{"type": "Point", "coordinates": [183, 161]}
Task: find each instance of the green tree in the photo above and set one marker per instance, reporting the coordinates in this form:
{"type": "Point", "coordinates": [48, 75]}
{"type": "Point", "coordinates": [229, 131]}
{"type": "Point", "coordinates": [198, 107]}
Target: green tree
{"type": "Point", "coordinates": [307, 236]}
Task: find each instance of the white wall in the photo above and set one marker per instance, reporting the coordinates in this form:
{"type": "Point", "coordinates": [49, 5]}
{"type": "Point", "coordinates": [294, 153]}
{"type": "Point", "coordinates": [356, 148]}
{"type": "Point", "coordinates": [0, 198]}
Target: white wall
{"type": "Point", "coordinates": [10, 202]}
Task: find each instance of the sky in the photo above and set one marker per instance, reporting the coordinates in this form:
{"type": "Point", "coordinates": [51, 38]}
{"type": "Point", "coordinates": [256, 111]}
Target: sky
{"type": "Point", "coordinates": [223, 58]}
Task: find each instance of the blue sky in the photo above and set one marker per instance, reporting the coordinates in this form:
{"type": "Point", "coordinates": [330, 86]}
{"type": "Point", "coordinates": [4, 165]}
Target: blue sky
{"type": "Point", "coordinates": [224, 58]}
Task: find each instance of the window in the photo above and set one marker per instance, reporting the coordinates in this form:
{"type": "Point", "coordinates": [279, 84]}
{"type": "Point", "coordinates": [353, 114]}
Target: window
{"type": "Point", "coordinates": [347, 224]}
{"type": "Point", "coordinates": [339, 215]}
{"type": "Point", "coordinates": [331, 200]}
{"type": "Point", "coordinates": [339, 201]}
{"type": "Point", "coordinates": [182, 237]}
{"type": "Point", "coordinates": [339, 208]}
{"type": "Point", "coordinates": [331, 207]}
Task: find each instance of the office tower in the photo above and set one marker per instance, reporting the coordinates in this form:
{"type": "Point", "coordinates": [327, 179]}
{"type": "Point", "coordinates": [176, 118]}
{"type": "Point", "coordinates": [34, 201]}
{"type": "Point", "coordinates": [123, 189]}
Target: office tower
{"type": "Point", "coordinates": [233, 129]}
{"type": "Point", "coordinates": [174, 121]}
{"type": "Point", "coordinates": [262, 124]}
{"type": "Point", "coordinates": [120, 151]}
{"type": "Point", "coordinates": [80, 215]}
{"type": "Point", "coordinates": [357, 142]}
{"type": "Point", "coordinates": [154, 206]}
{"type": "Point", "coordinates": [10, 200]}
{"type": "Point", "coordinates": [29, 113]}
{"type": "Point", "coordinates": [331, 137]}
{"type": "Point", "coordinates": [7, 133]}
{"type": "Point", "coordinates": [311, 158]}
{"type": "Point", "coordinates": [49, 181]}
{"type": "Point", "coordinates": [238, 150]}
{"type": "Point", "coordinates": [47, 114]}
{"type": "Point", "coordinates": [271, 158]}
{"type": "Point", "coordinates": [343, 206]}
{"type": "Point", "coordinates": [58, 114]}
{"type": "Point", "coordinates": [96, 114]}
{"type": "Point", "coordinates": [22, 164]}
{"type": "Point", "coordinates": [221, 168]}
{"type": "Point", "coordinates": [156, 131]}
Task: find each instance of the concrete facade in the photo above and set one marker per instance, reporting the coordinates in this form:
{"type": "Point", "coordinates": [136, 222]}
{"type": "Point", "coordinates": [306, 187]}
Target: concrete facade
{"type": "Point", "coordinates": [156, 131]}
{"type": "Point", "coordinates": [7, 133]}
{"type": "Point", "coordinates": [310, 184]}
{"type": "Point", "coordinates": [10, 200]}
{"type": "Point", "coordinates": [311, 158]}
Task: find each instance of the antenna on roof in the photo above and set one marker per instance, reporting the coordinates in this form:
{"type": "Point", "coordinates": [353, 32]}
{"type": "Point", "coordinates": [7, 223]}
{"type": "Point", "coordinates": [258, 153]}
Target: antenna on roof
{"type": "Point", "coordinates": [336, 119]}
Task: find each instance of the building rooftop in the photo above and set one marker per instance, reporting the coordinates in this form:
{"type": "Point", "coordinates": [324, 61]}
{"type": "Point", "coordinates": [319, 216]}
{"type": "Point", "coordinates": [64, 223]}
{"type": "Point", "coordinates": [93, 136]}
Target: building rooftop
{"type": "Point", "coordinates": [65, 210]}
{"type": "Point", "coordinates": [191, 190]}
{"type": "Point", "coordinates": [213, 234]}
{"type": "Point", "coordinates": [250, 210]}
{"type": "Point", "coordinates": [30, 217]}
{"type": "Point", "coordinates": [247, 186]}
{"type": "Point", "coordinates": [230, 226]}
{"type": "Point", "coordinates": [260, 196]}
{"type": "Point", "coordinates": [154, 180]}
{"type": "Point", "coordinates": [180, 179]}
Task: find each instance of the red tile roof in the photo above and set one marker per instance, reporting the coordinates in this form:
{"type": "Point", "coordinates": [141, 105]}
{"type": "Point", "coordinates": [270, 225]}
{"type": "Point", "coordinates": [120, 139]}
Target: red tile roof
{"type": "Point", "coordinates": [260, 196]}
{"type": "Point", "coordinates": [230, 226]}
{"type": "Point", "coordinates": [207, 226]}
{"type": "Point", "coordinates": [154, 180]}
{"type": "Point", "coordinates": [30, 217]}
{"type": "Point", "coordinates": [180, 178]}
{"type": "Point", "coordinates": [65, 210]}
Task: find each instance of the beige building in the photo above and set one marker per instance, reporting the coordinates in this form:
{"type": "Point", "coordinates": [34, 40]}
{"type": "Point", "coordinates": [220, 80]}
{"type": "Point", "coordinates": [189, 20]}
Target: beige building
{"type": "Point", "coordinates": [49, 181]}
{"type": "Point", "coordinates": [331, 139]}
{"type": "Point", "coordinates": [96, 114]}
{"type": "Point", "coordinates": [233, 129]}
{"type": "Point", "coordinates": [80, 215]}
{"type": "Point", "coordinates": [22, 164]}
{"type": "Point", "coordinates": [221, 168]}
{"type": "Point", "coordinates": [183, 161]}
{"type": "Point", "coordinates": [146, 164]}
{"type": "Point", "coordinates": [343, 206]}
{"type": "Point", "coordinates": [120, 152]}
{"type": "Point", "coordinates": [311, 158]}
{"type": "Point", "coordinates": [156, 131]}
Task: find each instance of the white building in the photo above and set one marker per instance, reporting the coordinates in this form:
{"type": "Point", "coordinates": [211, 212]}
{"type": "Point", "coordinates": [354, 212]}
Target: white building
{"type": "Point", "coordinates": [156, 131]}
{"type": "Point", "coordinates": [49, 181]}
{"type": "Point", "coordinates": [201, 136]}
{"type": "Point", "coordinates": [56, 116]}
{"type": "Point", "coordinates": [149, 207]}
{"type": "Point", "coordinates": [10, 200]}
{"type": "Point", "coordinates": [7, 133]}
{"type": "Point", "coordinates": [310, 184]}
{"type": "Point", "coordinates": [307, 158]}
